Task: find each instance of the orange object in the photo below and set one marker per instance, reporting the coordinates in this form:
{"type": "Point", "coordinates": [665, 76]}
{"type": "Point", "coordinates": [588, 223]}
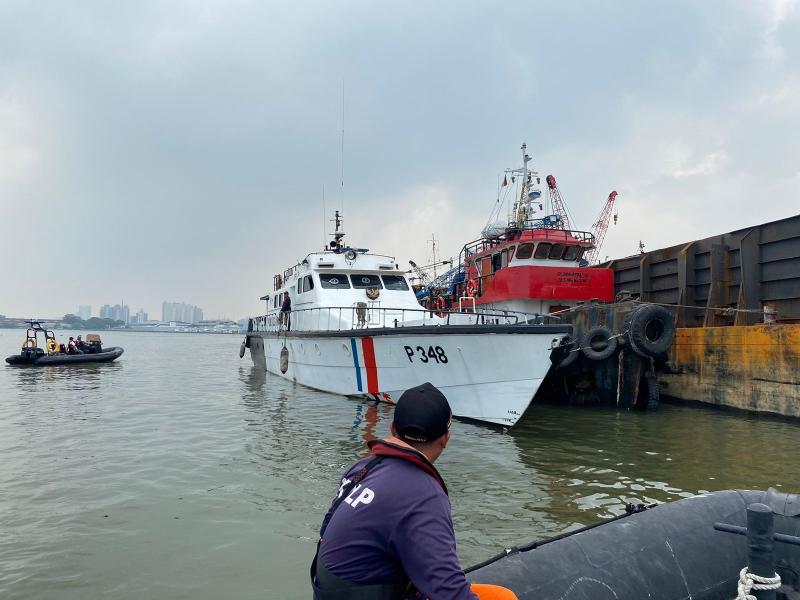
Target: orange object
{"type": "Point", "coordinates": [486, 591]}
{"type": "Point", "coordinates": [441, 306]}
{"type": "Point", "coordinates": [472, 288]}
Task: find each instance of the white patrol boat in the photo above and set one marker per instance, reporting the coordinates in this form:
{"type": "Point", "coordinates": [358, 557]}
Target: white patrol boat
{"type": "Point", "coordinates": [355, 328]}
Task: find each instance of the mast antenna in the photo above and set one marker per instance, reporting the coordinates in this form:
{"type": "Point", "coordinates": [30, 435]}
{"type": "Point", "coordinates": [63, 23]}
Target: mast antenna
{"type": "Point", "coordinates": [341, 151]}
{"type": "Point", "coordinates": [433, 253]}
{"type": "Point", "coordinates": [523, 206]}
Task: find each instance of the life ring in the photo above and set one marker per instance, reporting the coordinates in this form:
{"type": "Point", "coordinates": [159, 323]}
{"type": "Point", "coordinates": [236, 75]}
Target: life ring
{"type": "Point", "coordinates": [472, 288]}
{"type": "Point", "coordinates": [440, 305]}
{"type": "Point", "coordinates": [373, 293]}
{"type": "Point", "coordinates": [52, 346]}
{"type": "Point", "coordinates": [29, 343]}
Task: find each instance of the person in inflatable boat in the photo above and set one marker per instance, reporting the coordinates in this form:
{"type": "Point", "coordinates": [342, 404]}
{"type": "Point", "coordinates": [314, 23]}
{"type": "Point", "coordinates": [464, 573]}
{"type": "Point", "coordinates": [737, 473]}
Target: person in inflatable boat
{"type": "Point", "coordinates": [388, 534]}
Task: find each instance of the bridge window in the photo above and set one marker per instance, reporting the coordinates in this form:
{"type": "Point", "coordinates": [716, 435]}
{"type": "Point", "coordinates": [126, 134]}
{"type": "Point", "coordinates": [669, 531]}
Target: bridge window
{"type": "Point", "coordinates": [334, 281]}
{"type": "Point", "coordinates": [556, 252]}
{"type": "Point", "coordinates": [307, 284]}
{"type": "Point", "coordinates": [511, 253]}
{"type": "Point", "coordinates": [395, 282]}
{"type": "Point", "coordinates": [542, 250]}
{"type": "Point", "coordinates": [524, 251]}
{"type": "Point", "coordinates": [573, 253]}
{"type": "Point", "coordinates": [361, 282]}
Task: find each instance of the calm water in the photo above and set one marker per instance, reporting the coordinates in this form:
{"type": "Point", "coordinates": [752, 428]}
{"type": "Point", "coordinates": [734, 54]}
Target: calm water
{"type": "Point", "coordinates": [180, 472]}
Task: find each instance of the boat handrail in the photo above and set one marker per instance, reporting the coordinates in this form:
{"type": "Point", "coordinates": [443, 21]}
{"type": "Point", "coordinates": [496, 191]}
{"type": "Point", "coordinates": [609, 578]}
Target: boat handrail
{"type": "Point", "coordinates": [558, 235]}
{"type": "Point", "coordinates": [367, 316]}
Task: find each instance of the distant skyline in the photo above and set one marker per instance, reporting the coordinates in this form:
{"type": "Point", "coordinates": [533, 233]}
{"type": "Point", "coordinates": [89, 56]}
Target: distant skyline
{"type": "Point", "coordinates": [170, 311]}
{"type": "Point", "coordinates": [179, 150]}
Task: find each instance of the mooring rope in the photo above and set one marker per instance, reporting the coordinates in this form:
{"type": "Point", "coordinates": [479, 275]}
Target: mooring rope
{"type": "Point", "coordinates": [748, 581]}
{"type": "Point", "coordinates": [723, 310]}
{"type": "Point", "coordinates": [726, 311]}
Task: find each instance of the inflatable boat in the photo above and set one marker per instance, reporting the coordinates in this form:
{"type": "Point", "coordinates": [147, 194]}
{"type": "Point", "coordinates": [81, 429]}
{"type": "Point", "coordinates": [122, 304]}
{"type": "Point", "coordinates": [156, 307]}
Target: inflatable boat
{"type": "Point", "coordinates": [665, 552]}
{"type": "Point", "coordinates": [33, 354]}
{"type": "Point", "coordinates": [41, 359]}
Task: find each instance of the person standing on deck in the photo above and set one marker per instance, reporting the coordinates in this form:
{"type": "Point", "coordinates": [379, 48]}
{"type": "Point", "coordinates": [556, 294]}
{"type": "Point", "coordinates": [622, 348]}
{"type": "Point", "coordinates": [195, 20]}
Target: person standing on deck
{"type": "Point", "coordinates": [388, 534]}
{"type": "Point", "coordinates": [286, 309]}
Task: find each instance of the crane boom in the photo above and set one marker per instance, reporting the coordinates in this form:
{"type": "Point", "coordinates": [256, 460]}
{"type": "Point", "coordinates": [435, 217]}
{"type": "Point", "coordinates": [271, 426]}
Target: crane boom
{"type": "Point", "coordinates": [600, 227]}
{"type": "Point", "coordinates": [557, 202]}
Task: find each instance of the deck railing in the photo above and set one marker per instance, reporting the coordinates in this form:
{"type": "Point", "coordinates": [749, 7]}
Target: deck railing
{"type": "Point", "coordinates": [347, 318]}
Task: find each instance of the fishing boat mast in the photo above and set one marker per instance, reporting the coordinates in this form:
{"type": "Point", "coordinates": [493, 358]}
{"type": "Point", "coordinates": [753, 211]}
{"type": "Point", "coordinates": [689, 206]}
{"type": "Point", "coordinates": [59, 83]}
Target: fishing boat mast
{"type": "Point", "coordinates": [527, 195]}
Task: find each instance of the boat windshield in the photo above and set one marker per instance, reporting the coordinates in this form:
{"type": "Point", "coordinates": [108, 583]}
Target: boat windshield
{"type": "Point", "coordinates": [336, 281]}
{"type": "Point", "coordinates": [365, 281]}
{"type": "Point", "coordinates": [542, 250]}
{"type": "Point", "coordinates": [524, 251]}
{"type": "Point", "coordinates": [395, 282]}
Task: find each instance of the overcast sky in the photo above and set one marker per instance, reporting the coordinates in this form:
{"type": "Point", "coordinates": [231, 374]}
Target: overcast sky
{"type": "Point", "coordinates": [177, 151]}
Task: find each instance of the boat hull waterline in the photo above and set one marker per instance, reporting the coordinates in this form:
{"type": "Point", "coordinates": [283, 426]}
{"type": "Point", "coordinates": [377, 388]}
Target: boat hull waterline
{"type": "Point", "coordinates": [107, 355]}
{"type": "Point", "coordinates": [488, 374]}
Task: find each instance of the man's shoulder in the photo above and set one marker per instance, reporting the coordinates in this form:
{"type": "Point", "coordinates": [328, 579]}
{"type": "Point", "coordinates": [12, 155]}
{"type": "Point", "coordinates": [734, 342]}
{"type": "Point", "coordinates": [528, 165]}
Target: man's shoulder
{"type": "Point", "coordinates": [402, 478]}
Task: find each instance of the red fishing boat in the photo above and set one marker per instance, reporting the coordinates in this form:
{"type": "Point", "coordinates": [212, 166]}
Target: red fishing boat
{"type": "Point", "coordinates": [533, 263]}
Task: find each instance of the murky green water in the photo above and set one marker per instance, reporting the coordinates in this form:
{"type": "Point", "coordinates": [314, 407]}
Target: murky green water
{"type": "Point", "coordinates": [180, 472]}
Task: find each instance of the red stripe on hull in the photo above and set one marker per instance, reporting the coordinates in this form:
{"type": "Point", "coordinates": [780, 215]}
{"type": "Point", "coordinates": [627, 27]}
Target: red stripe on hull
{"type": "Point", "coordinates": [549, 283]}
{"type": "Point", "coordinates": [368, 348]}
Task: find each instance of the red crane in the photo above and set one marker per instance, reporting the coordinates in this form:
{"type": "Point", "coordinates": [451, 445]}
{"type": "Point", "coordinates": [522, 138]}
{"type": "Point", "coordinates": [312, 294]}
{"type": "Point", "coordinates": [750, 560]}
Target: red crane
{"type": "Point", "coordinates": [600, 227]}
{"type": "Point", "coordinates": [559, 206]}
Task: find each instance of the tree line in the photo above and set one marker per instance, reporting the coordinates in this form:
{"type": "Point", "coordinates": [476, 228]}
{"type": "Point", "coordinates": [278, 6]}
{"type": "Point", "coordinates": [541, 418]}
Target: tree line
{"type": "Point", "coordinates": [75, 322]}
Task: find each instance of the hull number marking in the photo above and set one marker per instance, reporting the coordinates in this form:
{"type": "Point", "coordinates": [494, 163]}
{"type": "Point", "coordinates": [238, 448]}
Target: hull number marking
{"type": "Point", "coordinates": [432, 354]}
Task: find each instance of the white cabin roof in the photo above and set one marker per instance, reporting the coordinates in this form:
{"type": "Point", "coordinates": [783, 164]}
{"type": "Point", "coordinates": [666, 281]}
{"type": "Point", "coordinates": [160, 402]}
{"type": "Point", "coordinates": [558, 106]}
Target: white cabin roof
{"type": "Point", "coordinates": [320, 261]}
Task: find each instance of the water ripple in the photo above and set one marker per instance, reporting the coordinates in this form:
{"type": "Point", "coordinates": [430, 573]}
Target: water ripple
{"type": "Point", "coordinates": [180, 471]}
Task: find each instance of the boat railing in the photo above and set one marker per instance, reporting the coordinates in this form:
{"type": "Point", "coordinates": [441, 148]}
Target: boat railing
{"type": "Point", "coordinates": [544, 234]}
{"type": "Point", "coordinates": [365, 316]}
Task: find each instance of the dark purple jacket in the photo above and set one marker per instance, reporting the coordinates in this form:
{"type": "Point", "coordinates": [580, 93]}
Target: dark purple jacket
{"type": "Point", "coordinates": [396, 520]}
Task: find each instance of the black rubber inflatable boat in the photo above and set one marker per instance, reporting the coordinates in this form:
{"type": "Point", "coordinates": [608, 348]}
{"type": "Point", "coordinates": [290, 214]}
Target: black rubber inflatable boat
{"type": "Point", "coordinates": [42, 359]}
{"type": "Point", "coordinates": [667, 552]}
{"type": "Point", "coordinates": [34, 354]}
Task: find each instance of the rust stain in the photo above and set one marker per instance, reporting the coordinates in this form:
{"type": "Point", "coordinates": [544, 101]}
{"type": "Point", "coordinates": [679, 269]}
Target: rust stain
{"type": "Point", "coordinates": [753, 367]}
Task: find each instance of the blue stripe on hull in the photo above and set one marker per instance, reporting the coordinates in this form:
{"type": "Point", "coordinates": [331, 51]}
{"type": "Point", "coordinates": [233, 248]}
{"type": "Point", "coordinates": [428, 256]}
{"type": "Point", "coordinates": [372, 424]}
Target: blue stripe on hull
{"type": "Point", "coordinates": [355, 363]}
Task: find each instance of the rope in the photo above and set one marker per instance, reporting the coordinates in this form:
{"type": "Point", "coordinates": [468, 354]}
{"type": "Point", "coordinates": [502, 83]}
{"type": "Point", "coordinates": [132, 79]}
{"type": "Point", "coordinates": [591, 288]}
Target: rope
{"type": "Point", "coordinates": [725, 310]}
{"type": "Point", "coordinates": [749, 581]}
{"type": "Point", "coordinates": [611, 337]}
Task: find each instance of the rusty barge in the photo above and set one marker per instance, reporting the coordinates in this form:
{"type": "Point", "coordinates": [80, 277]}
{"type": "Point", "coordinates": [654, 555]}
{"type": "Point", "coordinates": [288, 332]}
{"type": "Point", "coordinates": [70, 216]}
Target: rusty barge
{"type": "Point", "coordinates": [736, 302]}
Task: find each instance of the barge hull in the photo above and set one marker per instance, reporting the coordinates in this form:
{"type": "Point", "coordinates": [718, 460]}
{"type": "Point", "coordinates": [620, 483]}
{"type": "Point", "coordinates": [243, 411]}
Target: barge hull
{"type": "Point", "coordinates": [754, 368]}
{"type": "Point", "coordinates": [720, 289]}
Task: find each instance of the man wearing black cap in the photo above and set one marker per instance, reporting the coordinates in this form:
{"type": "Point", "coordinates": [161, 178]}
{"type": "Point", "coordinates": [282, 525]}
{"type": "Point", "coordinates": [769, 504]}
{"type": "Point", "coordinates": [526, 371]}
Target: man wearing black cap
{"type": "Point", "coordinates": [389, 529]}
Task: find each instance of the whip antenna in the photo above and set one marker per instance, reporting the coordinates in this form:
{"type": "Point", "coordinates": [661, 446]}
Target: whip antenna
{"type": "Point", "coordinates": [341, 152]}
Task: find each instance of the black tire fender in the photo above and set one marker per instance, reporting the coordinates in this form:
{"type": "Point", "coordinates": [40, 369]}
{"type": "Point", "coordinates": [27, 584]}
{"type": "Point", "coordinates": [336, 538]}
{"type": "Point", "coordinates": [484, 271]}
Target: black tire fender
{"type": "Point", "coordinates": [565, 348]}
{"type": "Point", "coordinates": [242, 349]}
{"type": "Point", "coordinates": [599, 343]}
{"type": "Point", "coordinates": [650, 330]}
{"type": "Point", "coordinates": [653, 391]}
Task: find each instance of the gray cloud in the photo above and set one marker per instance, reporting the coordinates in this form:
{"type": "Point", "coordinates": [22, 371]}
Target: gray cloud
{"type": "Point", "coordinates": [153, 151]}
